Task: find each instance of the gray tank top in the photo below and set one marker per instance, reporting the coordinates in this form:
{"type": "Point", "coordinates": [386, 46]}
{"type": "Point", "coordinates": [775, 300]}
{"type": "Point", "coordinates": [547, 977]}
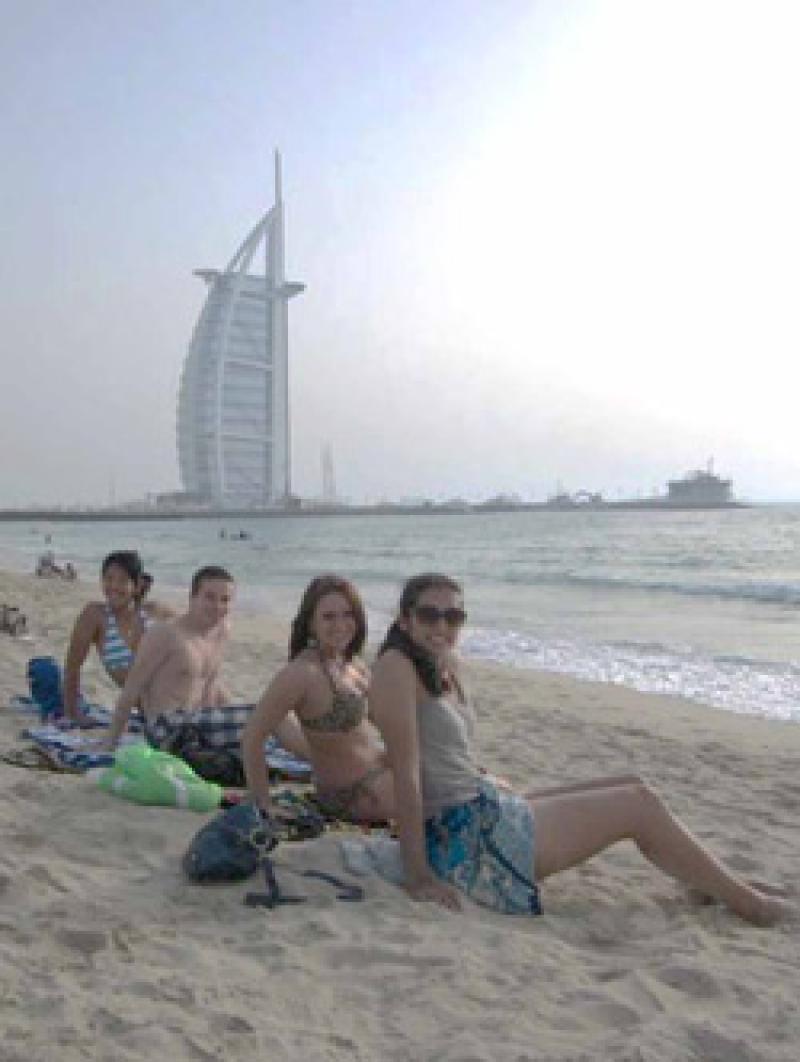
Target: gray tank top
{"type": "Point", "coordinates": [448, 774]}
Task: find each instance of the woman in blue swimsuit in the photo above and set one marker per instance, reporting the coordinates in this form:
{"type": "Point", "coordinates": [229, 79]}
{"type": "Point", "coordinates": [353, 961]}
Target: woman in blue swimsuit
{"type": "Point", "coordinates": [325, 684]}
{"type": "Point", "coordinates": [114, 626]}
{"type": "Point", "coordinates": [460, 830]}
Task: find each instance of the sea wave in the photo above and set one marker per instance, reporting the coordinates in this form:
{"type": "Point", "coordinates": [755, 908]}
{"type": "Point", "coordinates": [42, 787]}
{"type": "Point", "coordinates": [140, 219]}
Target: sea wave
{"type": "Point", "coordinates": [737, 684]}
{"type": "Point", "coordinates": [781, 593]}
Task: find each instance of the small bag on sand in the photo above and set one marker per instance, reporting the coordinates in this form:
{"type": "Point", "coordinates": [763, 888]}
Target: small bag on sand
{"type": "Point", "coordinates": [44, 682]}
{"type": "Point", "coordinates": [230, 847]}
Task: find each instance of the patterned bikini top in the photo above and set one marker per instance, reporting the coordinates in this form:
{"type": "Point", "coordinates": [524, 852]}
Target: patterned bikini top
{"type": "Point", "coordinates": [346, 713]}
{"type": "Point", "coordinates": [115, 652]}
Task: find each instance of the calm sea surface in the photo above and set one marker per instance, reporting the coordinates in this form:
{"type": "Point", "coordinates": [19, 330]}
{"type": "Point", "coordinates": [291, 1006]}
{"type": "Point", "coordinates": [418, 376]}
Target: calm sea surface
{"type": "Point", "coordinates": [706, 605]}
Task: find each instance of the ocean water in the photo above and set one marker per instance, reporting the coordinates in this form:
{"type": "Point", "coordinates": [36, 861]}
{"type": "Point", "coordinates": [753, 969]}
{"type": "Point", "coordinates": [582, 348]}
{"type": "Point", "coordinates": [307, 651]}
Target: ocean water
{"type": "Point", "coordinates": [701, 604]}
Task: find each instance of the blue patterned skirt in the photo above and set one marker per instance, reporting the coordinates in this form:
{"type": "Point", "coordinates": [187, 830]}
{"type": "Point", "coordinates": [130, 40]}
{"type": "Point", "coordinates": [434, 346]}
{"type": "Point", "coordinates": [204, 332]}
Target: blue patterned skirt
{"type": "Point", "coordinates": [485, 848]}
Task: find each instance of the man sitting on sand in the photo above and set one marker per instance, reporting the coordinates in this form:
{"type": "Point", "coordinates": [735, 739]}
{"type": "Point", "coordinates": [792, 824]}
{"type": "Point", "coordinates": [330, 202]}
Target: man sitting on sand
{"type": "Point", "coordinates": [174, 679]}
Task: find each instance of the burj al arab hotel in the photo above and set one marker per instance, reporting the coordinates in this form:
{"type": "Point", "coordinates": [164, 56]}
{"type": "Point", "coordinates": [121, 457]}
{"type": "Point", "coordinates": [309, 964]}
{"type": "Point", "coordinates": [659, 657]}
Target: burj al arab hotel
{"type": "Point", "coordinates": [233, 403]}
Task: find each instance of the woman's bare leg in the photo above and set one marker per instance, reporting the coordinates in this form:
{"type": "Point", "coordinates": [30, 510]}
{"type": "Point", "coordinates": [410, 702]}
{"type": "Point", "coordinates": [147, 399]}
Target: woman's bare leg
{"type": "Point", "coordinates": [571, 828]}
{"type": "Point", "coordinates": [581, 787]}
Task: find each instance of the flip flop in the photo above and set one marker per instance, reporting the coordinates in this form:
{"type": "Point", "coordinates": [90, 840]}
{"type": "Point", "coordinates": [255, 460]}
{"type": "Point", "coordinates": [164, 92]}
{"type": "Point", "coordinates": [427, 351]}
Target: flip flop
{"type": "Point", "coordinates": [36, 759]}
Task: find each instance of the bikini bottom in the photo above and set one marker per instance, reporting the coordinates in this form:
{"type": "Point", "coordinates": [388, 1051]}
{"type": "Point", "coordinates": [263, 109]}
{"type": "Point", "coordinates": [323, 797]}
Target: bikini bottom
{"type": "Point", "coordinates": [338, 802]}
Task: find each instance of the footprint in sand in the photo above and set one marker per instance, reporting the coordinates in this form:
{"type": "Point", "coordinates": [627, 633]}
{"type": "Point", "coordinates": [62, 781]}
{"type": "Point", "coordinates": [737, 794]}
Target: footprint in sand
{"type": "Point", "coordinates": [692, 982]}
{"type": "Point", "coordinates": [42, 874]}
{"type": "Point", "coordinates": [164, 992]}
{"type": "Point", "coordinates": [27, 840]}
{"type": "Point", "coordinates": [615, 1015]}
{"type": "Point", "coordinates": [86, 941]}
{"type": "Point", "coordinates": [106, 1021]}
{"type": "Point", "coordinates": [712, 1046]}
{"type": "Point", "coordinates": [363, 958]}
{"type": "Point", "coordinates": [230, 1025]}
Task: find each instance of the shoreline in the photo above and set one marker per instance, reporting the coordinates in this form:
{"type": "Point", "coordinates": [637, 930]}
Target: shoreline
{"type": "Point", "coordinates": [257, 649]}
{"type": "Point", "coordinates": [687, 635]}
{"type": "Point", "coordinates": [382, 509]}
{"type": "Point", "coordinates": [250, 617]}
{"type": "Point", "coordinates": [109, 953]}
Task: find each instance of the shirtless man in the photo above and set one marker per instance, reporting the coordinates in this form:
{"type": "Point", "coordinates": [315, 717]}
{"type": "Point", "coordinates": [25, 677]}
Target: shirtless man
{"type": "Point", "coordinates": [174, 679]}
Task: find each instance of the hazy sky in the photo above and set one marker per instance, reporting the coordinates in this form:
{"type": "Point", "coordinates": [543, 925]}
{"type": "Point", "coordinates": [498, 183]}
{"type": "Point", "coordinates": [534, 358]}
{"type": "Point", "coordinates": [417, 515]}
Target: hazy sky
{"type": "Point", "coordinates": [543, 242]}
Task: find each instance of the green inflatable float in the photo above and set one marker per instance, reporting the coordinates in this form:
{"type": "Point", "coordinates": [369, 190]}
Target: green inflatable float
{"type": "Point", "coordinates": [149, 776]}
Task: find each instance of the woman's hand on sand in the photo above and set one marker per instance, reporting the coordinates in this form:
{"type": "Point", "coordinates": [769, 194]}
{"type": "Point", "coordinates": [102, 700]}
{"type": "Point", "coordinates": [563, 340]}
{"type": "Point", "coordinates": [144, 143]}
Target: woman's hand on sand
{"type": "Point", "coordinates": [435, 891]}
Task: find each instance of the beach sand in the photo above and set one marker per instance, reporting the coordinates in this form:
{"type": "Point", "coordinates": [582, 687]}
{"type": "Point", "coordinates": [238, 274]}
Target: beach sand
{"type": "Point", "coordinates": [107, 952]}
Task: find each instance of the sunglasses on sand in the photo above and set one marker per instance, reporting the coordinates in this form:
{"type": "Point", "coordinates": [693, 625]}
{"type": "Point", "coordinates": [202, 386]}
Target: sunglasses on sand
{"type": "Point", "coordinates": [430, 614]}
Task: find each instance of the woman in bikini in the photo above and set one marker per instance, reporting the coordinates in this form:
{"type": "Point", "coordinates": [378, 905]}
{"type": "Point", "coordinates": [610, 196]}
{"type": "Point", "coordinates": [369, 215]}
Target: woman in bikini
{"type": "Point", "coordinates": [325, 684]}
{"type": "Point", "coordinates": [461, 830]}
{"type": "Point", "coordinates": [114, 626]}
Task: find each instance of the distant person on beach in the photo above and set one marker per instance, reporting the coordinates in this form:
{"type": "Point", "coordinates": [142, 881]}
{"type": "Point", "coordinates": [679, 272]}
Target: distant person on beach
{"type": "Point", "coordinates": [460, 830]}
{"type": "Point", "coordinates": [114, 626]}
{"type": "Point", "coordinates": [325, 685]}
{"type": "Point", "coordinates": [175, 679]}
{"type": "Point", "coordinates": [48, 567]}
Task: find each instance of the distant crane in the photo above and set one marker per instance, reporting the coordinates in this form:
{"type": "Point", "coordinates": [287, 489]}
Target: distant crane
{"type": "Point", "coordinates": [328, 480]}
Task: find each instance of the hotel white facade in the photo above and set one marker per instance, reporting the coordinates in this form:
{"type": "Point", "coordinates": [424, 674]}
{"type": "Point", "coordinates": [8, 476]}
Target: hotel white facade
{"type": "Point", "coordinates": [233, 403]}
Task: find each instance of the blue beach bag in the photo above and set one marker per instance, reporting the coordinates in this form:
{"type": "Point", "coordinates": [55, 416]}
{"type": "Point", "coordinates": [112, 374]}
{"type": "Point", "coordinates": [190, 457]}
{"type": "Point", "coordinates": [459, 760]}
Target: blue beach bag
{"type": "Point", "coordinates": [230, 847]}
{"type": "Point", "coordinates": [44, 682]}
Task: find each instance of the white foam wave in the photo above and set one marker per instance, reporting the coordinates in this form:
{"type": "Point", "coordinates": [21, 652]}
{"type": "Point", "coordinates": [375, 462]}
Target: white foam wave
{"type": "Point", "coordinates": [734, 684]}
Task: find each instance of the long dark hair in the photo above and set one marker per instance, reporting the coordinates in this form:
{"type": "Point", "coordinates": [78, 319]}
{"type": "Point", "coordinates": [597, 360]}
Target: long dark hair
{"type": "Point", "coordinates": [301, 635]}
{"type": "Point", "coordinates": [126, 559]}
{"type": "Point", "coordinates": [426, 666]}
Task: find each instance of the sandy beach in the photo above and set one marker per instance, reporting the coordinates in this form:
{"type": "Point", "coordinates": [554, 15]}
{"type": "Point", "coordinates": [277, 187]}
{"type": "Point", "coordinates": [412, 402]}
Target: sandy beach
{"type": "Point", "coordinates": [109, 953]}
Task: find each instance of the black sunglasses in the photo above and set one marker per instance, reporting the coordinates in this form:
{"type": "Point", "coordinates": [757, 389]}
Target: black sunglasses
{"type": "Point", "coordinates": [430, 614]}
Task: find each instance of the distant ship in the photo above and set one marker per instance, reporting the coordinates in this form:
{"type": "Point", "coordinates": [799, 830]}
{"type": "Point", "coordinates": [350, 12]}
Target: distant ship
{"type": "Point", "coordinates": [699, 489]}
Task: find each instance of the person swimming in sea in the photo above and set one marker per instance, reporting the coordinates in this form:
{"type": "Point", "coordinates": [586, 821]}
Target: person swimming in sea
{"type": "Point", "coordinates": [325, 684]}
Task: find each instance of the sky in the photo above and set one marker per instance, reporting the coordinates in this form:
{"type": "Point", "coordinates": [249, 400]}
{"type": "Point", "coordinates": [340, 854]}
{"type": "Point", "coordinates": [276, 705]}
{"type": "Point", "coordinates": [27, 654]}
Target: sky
{"type": "Point", "coordinates": [547, 245]}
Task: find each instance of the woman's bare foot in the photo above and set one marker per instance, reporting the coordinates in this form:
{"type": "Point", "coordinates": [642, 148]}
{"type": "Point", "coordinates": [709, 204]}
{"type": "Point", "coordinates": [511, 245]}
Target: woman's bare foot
{"type": "Point", "coordinates": [769, 910]}
{"type": "Point", "coordinates": [698, 898]}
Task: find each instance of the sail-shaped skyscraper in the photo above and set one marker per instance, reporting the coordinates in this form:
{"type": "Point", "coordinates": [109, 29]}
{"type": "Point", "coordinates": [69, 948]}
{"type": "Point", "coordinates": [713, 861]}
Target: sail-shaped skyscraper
{"type": "Point", "coordinates": [233, 404]}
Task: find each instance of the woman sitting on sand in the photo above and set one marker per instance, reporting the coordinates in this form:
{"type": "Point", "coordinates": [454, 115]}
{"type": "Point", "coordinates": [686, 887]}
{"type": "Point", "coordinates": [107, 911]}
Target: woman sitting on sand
{"type": "Point", "coordinates": [459, 829]}
{"type": "Point", "coordinates": [326, 686]}
{"type": "Point", "coordinates": [114, 626]}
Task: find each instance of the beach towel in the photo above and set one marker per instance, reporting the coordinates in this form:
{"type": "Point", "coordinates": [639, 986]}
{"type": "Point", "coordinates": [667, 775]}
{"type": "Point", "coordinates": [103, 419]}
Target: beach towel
{"type": "Point", "coordinates": [283, 764]}
{"type": "Point", "coordinates": [72, 748]}
{"type": "Point", "coordinates": [98, 714]}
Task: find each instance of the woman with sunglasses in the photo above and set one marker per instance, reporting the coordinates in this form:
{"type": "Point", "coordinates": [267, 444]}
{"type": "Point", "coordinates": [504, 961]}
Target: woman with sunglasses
{"type": "Point", "coordinates": [325, 685]}
{"type": "Point", "coordinates": [459, 830]}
